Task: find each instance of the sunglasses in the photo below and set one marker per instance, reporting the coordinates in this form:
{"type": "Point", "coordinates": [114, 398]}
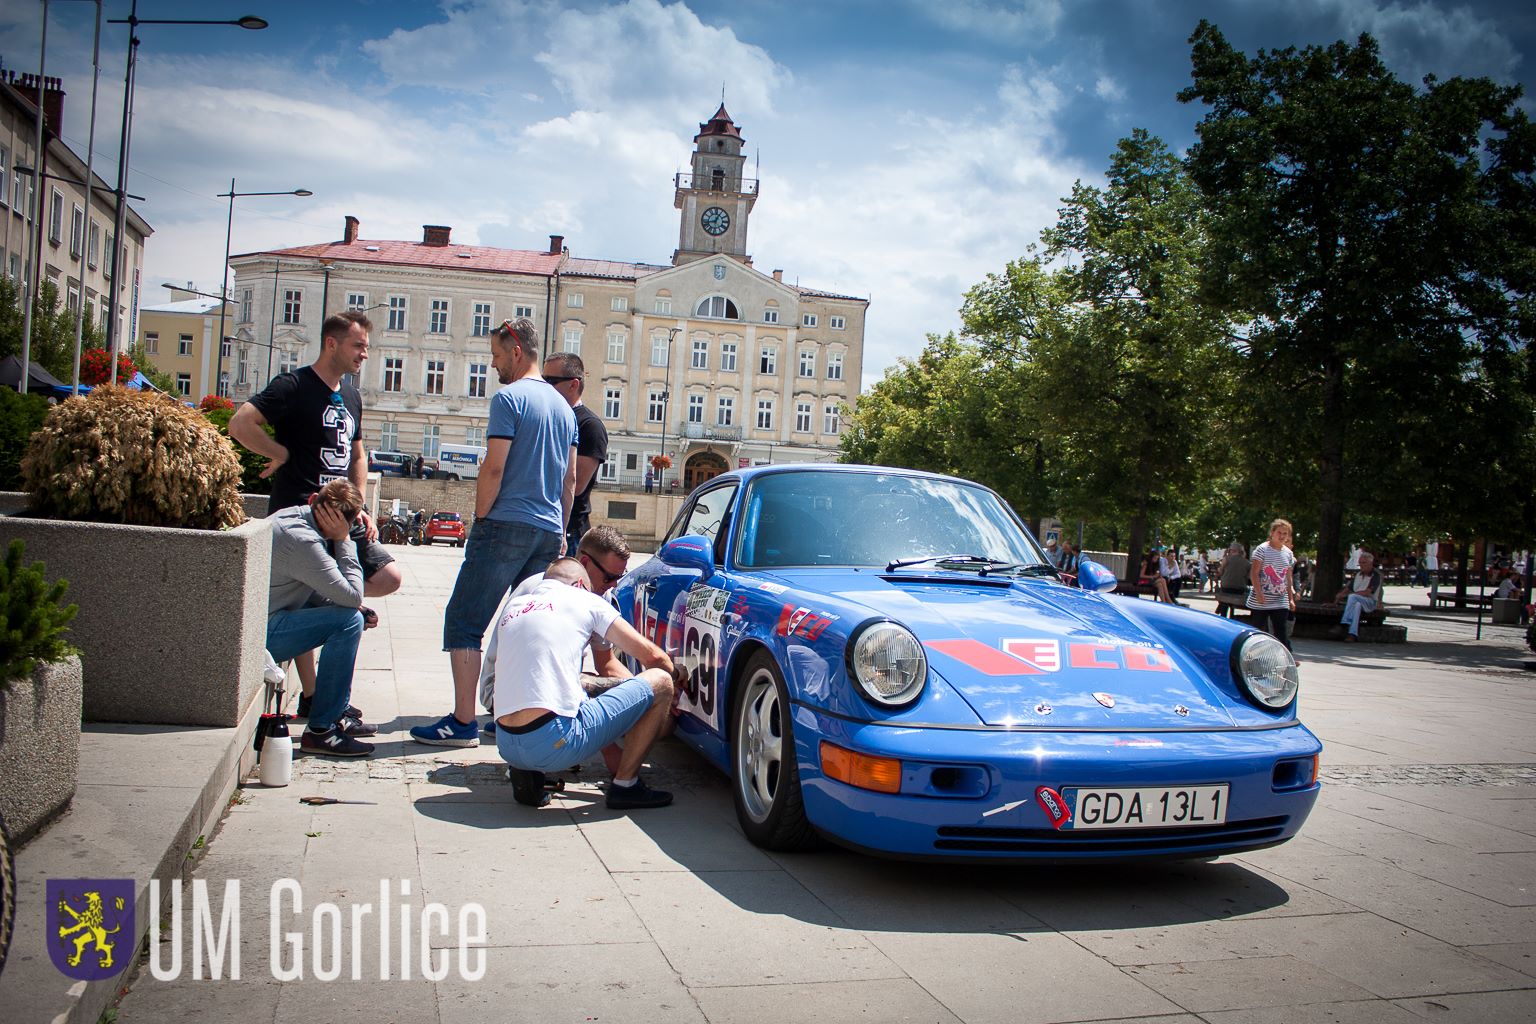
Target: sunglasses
{"type": "Point", "coordinates": [557, 381]}
{"type": "Point", "coordinates": [336, 398]}
{"type": "Point", "coordinates": [608, 577]}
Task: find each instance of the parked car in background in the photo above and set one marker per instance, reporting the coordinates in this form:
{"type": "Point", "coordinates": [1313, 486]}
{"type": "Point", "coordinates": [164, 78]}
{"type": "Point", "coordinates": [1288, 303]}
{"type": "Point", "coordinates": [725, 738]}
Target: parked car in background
{"type": "Point", "coordinates": [446, 526]}
{"type": "Point", "coordinates": [459, 461]}
{"type": "Point", "coordinates": [391, 463]}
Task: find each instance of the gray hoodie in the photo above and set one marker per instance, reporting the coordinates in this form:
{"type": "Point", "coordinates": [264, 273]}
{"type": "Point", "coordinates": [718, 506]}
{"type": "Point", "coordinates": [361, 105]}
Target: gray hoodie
{"type": "Point", "coordinates": [307, 569]}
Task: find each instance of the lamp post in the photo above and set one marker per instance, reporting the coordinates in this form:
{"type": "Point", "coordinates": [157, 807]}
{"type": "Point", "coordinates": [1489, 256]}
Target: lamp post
{"type": "Point", "coordinates": [133, 21]}
{"type": "Point", "coordinates": [666, 393]}
{"type": "Point", "coordinates": [229, 226]}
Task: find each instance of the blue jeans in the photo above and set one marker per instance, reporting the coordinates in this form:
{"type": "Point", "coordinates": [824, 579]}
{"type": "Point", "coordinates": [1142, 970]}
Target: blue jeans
{"type": "Point", "coordinates": [562, 742]}
{"type": "Point", "coordinates": [498, 557]}
{"type": "Point", "coordinates": [1354, 604]}
{"type": "Point", "coordinates": [336, 631]}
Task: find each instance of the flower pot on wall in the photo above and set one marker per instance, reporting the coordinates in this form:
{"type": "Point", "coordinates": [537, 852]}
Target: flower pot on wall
{"type": "Point", "coordinates": [39, 747]}
{"type": "Point", "coordinates": [172, 623]}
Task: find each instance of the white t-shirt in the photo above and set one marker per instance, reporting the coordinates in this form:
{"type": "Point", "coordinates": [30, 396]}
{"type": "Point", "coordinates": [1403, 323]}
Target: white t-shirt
{"type": "Point", "coordinates": [488, 660]}
{"type": "Point", "coordinates": [1275, 565]}
{"type": "Point", "coordinates": [540, 638]}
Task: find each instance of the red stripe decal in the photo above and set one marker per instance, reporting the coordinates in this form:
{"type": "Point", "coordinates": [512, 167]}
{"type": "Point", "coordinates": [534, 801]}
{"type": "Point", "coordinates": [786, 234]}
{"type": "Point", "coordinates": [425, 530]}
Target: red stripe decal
{"type": "Point", "coordinates": [986, 660]}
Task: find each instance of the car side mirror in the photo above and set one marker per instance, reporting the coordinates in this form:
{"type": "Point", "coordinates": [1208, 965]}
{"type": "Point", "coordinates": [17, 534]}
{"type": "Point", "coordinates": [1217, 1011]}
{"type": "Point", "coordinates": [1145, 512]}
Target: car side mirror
{"type": "Point", "coordinates": [689, 552]}
{"type": "Point", "coordinates": [1093, 576]}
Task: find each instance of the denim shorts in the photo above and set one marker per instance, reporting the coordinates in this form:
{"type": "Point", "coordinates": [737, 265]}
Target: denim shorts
{"type": "Point", "coordinates": [562, 742]}
{"type": "Point", "coordinates": [498, 557]}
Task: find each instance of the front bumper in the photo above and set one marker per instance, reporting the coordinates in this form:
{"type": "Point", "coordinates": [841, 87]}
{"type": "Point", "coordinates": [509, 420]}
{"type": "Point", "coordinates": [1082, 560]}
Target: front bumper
{"type": "Point", "coordinates": [951, 778]}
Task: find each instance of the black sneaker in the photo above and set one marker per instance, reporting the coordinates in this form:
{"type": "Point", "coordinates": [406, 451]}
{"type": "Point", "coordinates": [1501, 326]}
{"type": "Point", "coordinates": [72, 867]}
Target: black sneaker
{"type": "Point", "coordinates": [621, 798]}
{"type": "Point", "coordinates": [304, 703]}
{"type": "Point", "coordinates": [528, 787]}
{"type": "Point", "coordinates": [356, 726]}
{"type": "Point", "coordinates": [333, 743]}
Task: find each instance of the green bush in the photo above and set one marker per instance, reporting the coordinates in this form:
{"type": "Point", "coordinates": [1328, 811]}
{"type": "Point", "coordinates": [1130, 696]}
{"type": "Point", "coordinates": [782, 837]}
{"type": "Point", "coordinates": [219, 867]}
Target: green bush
{"type": "Point", "coordinates": [121, 456]}
{"type": "Point", "coordinates": [20, 416]}
{"type": "Point", "coordinates": [32, 618]}
{"type": "Point", "coordinates": [251, 464]}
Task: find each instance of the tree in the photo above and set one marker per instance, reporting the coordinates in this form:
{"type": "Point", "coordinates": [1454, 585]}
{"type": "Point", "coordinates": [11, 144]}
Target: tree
{"type": "Point", "coordinates": [1380, 240]}
{"type": "Point", "coordinates": [53, 329]}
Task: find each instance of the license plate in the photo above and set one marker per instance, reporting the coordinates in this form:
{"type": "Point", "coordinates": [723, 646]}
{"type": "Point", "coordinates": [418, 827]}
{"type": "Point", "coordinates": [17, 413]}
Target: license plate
{"type": "Point", "coordinates": [1147, 807]}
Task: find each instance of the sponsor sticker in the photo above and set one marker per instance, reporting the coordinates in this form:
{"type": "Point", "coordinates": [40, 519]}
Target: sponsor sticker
{"type": "Point", "coordinates": [1054, 806]}
{"type": "Point", "coordinates": [802, 622]}
{"type": "Point", "coordinates": [1105, 699]}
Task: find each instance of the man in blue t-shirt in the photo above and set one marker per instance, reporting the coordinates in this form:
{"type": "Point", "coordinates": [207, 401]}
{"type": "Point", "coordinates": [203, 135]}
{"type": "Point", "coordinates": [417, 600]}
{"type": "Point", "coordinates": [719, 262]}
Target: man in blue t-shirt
{"type": "Point", "coordinates": [522, 500]}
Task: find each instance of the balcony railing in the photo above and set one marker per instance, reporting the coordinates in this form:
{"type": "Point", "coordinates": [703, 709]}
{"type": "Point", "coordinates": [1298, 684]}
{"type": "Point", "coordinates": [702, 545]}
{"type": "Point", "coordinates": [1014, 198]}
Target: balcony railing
{"type": "Point", "coordinates": [700, 432]}
{"type": "Point", "coordinates": [717, 183]}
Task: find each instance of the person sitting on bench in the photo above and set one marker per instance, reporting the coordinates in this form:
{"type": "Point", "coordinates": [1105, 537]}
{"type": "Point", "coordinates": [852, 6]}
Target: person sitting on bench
{"type": "Point", "coordinates": [1362, 595]}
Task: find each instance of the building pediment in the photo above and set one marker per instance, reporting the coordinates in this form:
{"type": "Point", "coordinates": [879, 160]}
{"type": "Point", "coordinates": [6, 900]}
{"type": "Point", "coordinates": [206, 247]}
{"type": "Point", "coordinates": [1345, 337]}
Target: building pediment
{"type": "Point", "coordinates": [714, 276]}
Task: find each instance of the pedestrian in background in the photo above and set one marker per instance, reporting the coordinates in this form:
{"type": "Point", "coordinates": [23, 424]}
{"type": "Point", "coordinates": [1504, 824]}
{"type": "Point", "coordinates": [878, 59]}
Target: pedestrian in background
{"type": "Point", "coordinates": [1231, 577]}
{"type": "Point", "coordinates": [1271, 575]}
{"type": "Point", "coordinates": [565, 372]}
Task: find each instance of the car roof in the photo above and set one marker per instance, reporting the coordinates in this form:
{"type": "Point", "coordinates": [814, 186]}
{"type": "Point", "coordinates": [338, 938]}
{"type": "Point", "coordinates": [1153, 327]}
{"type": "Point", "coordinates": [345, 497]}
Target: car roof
{"type": "Point", "coordinates": [752, 472]}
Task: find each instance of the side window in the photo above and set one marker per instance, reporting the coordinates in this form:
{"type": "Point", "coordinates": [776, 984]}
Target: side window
{"type": "Point", "coordinates": [707, 517]}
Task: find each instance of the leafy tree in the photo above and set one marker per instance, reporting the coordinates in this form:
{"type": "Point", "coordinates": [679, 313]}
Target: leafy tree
{"type": "Point", "coordinates": [20, 416]}
{"type": "Point", "coordinates": [251, 464]}
{"type": "Point", "coordinates": [53, 329]}
{"type": "Point", "coordinates": [1380, 240]}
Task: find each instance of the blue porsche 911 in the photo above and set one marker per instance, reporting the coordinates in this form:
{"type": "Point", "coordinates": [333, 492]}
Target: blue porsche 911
{"type": "Point", "coordinates": [886, 659]}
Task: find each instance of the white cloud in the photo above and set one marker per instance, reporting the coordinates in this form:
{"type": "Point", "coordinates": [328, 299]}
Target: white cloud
{"type": "Point", "coordinates": [1014, 19]}
{"type": "Point", "coordinates": [1108, 90]}
{"type": "Point", "coordinates": [1424, 37]}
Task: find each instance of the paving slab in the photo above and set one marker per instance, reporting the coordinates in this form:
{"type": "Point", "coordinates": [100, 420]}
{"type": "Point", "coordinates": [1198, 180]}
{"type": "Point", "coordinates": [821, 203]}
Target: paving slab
{"type": "Point", "coordinates": [897, 1002]}
{"type": "Point", "coordinates": [1245, 982]}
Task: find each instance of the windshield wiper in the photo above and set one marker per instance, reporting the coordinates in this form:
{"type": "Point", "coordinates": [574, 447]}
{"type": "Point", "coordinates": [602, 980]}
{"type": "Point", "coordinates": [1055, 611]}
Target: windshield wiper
{"type": "Point", "coordinates": [902, 563]}
{"type": "Point", "coordinates": [1023, 569]}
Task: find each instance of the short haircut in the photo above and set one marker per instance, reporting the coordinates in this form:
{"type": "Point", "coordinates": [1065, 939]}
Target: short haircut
{"type": "Point", "coordinates": [604, 540]}
{"type": "Point", "coordinates": [1280, 524]}
{"type": "Point", "coordinates": [568, 363]}
{"type": "Point", "coordinates": [341, 496]}
{"type": "Point", "coordinates": [566, 570]}
{"type": "Point", "coordinates": [519, 332]}
{"type": "Point", "coordinates": [338, 324]}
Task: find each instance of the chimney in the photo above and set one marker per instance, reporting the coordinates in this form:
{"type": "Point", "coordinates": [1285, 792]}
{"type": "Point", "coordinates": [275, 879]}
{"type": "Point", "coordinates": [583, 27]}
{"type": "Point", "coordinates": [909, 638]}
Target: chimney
{"type": "Point", "coordinates": [435, 234]}
{"type": "Point", "coordinates": [349, 230]}
{"type": "Point", "coordinates": [53, 96]}
{"type": "Point", "coordinates": [556, 243]}
{"type": "Point", "coordinates": [778, 275]}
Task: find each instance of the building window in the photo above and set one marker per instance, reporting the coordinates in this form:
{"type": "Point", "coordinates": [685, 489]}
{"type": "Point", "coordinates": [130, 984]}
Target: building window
{"type": "Point", "coordinates": [770, 316]}
{"type": "Point", "coordinates": [718, 307]}
{"type": "Point", "coordinates": [765, 414]}
{"type": "Point", "coordinates": [73, 302]}
{"type": "Point", "coordinates": [725, 411]}
{"type": "Point", "coordinates": [389, 436]}
{"type": "Point", "coordinates": [293, 305]}
{"type": "Point", "coordinates": [767, 360]}
{"type": "Point", "coordinates": [575, 300]}
{"type": "Point", "coordinates": [833, 421]}
{"type": "Point", "coordinates": [5, 167]}
{"type": "Point", "coordinates": [433, 381]}
{"type": "Point", "coordinates": [478, 372]}
{"type": "Point", "coordinates": [394, 374]}
{"type": "Point", "coordinates": [431, 437]}
{"type": "Point", "coordinates": [700, 354]}
{"type": "Point", "coordinates": [76, 232]}
{"type": "Point", "coordinates": [475, 436]}
{"type": "Point", "coordinates": [288, 362]}
{"type": "Point", "coordinates": [437, 317]}
{"type": "Point", "coordinates": [109, 254]}
{"type": "Point", "coordinates": [397, 311]}
{"type": "Point", "coordinates": [620, 304]}
{"type": "Point", "coordinates": [727, 357]}
{"type": "Point", "coordinates": [659, 346]}
{"type": "Point", "coordinates": [355, 301]}
{"type": "Point", "coordinates": [152, 343]}
{"type": "Point", "coordinates": [834, 366]}
{"type": "Point", "coordinates": [808, 320]}
{"type": "Point", "coordinates": [837, 323]}
{"type": "Point", "coordinates": [245, 306]}
{"type": "Point", "coordinates": [615, 346]}
{"type": "Point", "coordinates": [631, 460]}
{"type": "Point", "coordinates": [802, 417]}
{"type": "Point", "coordinates": [612, 397]}
{"type": "Point", "coordinates": [184, 345]}
{"type": "Point", "coordinates": [184, 385]}
{"type": "Point", "coordinates": [524, 312]}
{"type": "Point", "coordinates": [807, 362]}
{"type": "Point", "coordinates": [481, 325]}
{"type": "Point", "coordinates": [664, 306]}
{"type": "Point", "coordinates": [572, 340]}
{"type": "Point", "coordinates": [609, 470]}
{"type": "Point", "coordinates": [695, 408]}
{"type": "Point", "coordinates": [654, 407]}
{"type": "Point", "coordinates": [56, 217]}
{"type": "Point", "coordinates": [224, 384]}
{"type": "Point", "coordinates": [93, 244]}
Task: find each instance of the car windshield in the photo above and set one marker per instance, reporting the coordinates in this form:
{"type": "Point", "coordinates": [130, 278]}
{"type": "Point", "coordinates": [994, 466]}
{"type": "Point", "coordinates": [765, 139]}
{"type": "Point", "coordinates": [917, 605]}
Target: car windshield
{"type": "Point", "coordinates": [852, 518]}
{"type": "Point", "coordinates": [446, 516]}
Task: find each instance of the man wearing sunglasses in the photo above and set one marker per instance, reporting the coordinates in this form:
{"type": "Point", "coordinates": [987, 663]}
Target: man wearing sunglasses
{"type": "Point", "coordinates": [522, 502]}
{"type": "Point", "coordinates": [565, 373]}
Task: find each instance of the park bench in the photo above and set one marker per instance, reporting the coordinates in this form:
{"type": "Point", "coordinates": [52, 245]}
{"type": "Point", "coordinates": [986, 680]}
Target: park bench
{"type": "Point", "coordinates": [1315, 620]}
{"type": "Point", "coordinates": [1449, 598]}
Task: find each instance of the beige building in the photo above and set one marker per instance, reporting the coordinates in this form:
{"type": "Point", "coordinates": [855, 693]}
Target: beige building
{"type": "Point", "coordinates": [708, 359]}
{"type": "Point", "coordinates": [178, 338]}
{"type": "Point", "coordinates": [75, 244]}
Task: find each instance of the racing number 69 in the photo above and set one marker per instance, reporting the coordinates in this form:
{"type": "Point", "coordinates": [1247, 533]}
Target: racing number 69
{"type": "Point", "coordinates": [699, 656]}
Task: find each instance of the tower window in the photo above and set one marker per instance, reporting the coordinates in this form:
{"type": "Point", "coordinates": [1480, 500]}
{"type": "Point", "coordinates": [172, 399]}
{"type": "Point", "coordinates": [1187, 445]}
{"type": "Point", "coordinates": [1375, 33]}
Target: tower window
{"type": "Point", "coordinates": [718, 307]}
{"type": "Point", "coordinates": [717, 178]}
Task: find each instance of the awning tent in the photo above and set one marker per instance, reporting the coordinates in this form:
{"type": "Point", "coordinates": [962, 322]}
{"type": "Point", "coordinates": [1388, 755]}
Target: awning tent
{"type": "Point", "coordinates": [39, 380]}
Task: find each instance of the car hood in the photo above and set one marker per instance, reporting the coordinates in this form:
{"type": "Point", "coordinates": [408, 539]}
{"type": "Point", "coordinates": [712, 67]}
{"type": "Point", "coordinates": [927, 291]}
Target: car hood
{"type": "Point", "coordinates": [1035, 652]}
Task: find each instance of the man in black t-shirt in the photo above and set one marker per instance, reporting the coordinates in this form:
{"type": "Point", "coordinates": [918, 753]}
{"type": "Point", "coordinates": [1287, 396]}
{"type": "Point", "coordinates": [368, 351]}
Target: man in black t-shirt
{"type": "Point", "coordinates": [316, 418]}
{"type": "Point", "coordinates": [565, 372]}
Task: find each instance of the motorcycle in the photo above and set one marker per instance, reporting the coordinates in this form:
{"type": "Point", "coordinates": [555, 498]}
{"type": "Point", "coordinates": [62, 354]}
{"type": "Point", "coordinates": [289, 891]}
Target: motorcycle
{"type": "Point", "coordinates": [392, 530]}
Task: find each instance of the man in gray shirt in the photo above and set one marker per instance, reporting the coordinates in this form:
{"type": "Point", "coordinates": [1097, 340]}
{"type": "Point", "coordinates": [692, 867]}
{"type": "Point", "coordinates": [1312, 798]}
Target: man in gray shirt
{"type": "Point", "coordinates": [314, 602]}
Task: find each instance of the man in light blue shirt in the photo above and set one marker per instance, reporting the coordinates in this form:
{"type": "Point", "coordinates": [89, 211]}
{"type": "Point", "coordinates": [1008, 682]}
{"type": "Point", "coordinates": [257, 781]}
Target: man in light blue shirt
{"type": "Point", "coordinates": [522, 501]}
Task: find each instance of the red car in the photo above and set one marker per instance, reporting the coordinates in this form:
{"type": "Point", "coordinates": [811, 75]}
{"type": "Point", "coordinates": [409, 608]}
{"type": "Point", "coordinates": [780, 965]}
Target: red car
{"type": "Point", "coordinates": [445, 526]}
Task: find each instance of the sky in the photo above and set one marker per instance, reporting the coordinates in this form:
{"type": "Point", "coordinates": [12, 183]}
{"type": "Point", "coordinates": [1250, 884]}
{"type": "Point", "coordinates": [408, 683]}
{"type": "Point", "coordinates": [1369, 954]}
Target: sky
{"type": "Point", "coordinates": [907, 148]}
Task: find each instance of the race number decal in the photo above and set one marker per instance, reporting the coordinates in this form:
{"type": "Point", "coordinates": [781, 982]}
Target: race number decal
{"type": "Point", "coordinates": [703, 616]}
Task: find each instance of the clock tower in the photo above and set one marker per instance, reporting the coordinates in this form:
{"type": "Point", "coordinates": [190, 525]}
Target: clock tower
{"type": "Point", "coordinates": [714, 198]}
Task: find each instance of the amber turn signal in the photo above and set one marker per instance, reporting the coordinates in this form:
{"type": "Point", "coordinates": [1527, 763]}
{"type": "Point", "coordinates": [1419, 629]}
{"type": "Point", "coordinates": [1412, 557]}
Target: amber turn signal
{"type": "Point", "coordinates": [881, 774]}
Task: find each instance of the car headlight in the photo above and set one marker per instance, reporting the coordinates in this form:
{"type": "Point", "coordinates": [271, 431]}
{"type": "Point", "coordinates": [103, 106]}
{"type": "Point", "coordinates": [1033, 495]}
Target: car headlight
{"type": "Point", "coordinates": [1266, 669]}
{"type": "Point", "coordinates": [887, 662]}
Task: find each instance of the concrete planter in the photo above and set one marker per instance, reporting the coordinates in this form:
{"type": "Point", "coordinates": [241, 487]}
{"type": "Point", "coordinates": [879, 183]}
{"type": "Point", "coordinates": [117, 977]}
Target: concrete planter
{"type": "Point", "coordinates": [172, 622]}
{"type": "Point", "coordinates": [39, 747]}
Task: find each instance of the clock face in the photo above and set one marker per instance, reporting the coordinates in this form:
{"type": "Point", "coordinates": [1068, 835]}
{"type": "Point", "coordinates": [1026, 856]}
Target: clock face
{"type": "Point", "coordinates": [715, 220]}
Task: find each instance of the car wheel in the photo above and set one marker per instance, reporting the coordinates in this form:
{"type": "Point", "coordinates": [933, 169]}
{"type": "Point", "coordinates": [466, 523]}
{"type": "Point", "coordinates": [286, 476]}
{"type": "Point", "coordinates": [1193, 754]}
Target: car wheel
{"type": "Point", "coordinates": [765, 776]}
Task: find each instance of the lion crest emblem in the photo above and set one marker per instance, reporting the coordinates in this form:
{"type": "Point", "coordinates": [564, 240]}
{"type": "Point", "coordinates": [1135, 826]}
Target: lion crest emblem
{"type": "Point", "coordinates": [87, 919]}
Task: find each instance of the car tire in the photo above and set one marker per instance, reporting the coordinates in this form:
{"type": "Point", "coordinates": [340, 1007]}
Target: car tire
{"type": "Point", "coordinates": [765, 787]}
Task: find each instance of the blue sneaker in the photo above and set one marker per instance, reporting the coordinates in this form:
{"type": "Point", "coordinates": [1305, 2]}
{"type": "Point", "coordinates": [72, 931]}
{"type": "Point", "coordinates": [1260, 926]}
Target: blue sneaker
{"type": "Point", "coordinates": [490, 727]}
{"type": "Point", "coordinates": [448, 732]}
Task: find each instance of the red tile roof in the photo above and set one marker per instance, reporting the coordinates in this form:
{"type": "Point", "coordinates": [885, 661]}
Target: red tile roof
{"type": "Point", "coordinates": [720, 124]}
{"type": "Point", "coordinates": [453, 256]}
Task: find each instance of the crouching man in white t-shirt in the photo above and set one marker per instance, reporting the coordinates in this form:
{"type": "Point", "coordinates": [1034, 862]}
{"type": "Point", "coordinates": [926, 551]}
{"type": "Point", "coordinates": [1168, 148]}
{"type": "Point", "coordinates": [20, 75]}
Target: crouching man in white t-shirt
{"type": "Point", "coordinates": [545, 720]}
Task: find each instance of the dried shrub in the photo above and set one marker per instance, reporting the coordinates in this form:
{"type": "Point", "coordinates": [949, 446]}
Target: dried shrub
{"type": "Point", "coordinates": [121, 456]}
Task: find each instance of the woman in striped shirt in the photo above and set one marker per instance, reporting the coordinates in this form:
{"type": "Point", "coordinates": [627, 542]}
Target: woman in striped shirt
{"type": "Point", "coordinates": [1272, 575]}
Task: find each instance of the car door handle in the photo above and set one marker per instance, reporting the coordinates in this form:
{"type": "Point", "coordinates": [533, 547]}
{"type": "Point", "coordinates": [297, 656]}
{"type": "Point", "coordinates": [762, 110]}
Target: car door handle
{"type": "Point", "coordinates": [650, 588]}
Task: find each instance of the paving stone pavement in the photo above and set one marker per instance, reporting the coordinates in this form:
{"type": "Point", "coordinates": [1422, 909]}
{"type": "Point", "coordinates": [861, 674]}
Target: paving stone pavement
{"type": "Point", "coordinates": [1408, 896]}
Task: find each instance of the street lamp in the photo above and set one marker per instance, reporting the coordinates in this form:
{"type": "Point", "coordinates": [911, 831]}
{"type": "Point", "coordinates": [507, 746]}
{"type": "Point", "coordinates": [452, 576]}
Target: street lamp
{"type": "Point", "coordinates": [133, 21]}
{"type": "Point", "coordinates": [666, 393]}
{"type": "Point", "coordinates": [229, 226]}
